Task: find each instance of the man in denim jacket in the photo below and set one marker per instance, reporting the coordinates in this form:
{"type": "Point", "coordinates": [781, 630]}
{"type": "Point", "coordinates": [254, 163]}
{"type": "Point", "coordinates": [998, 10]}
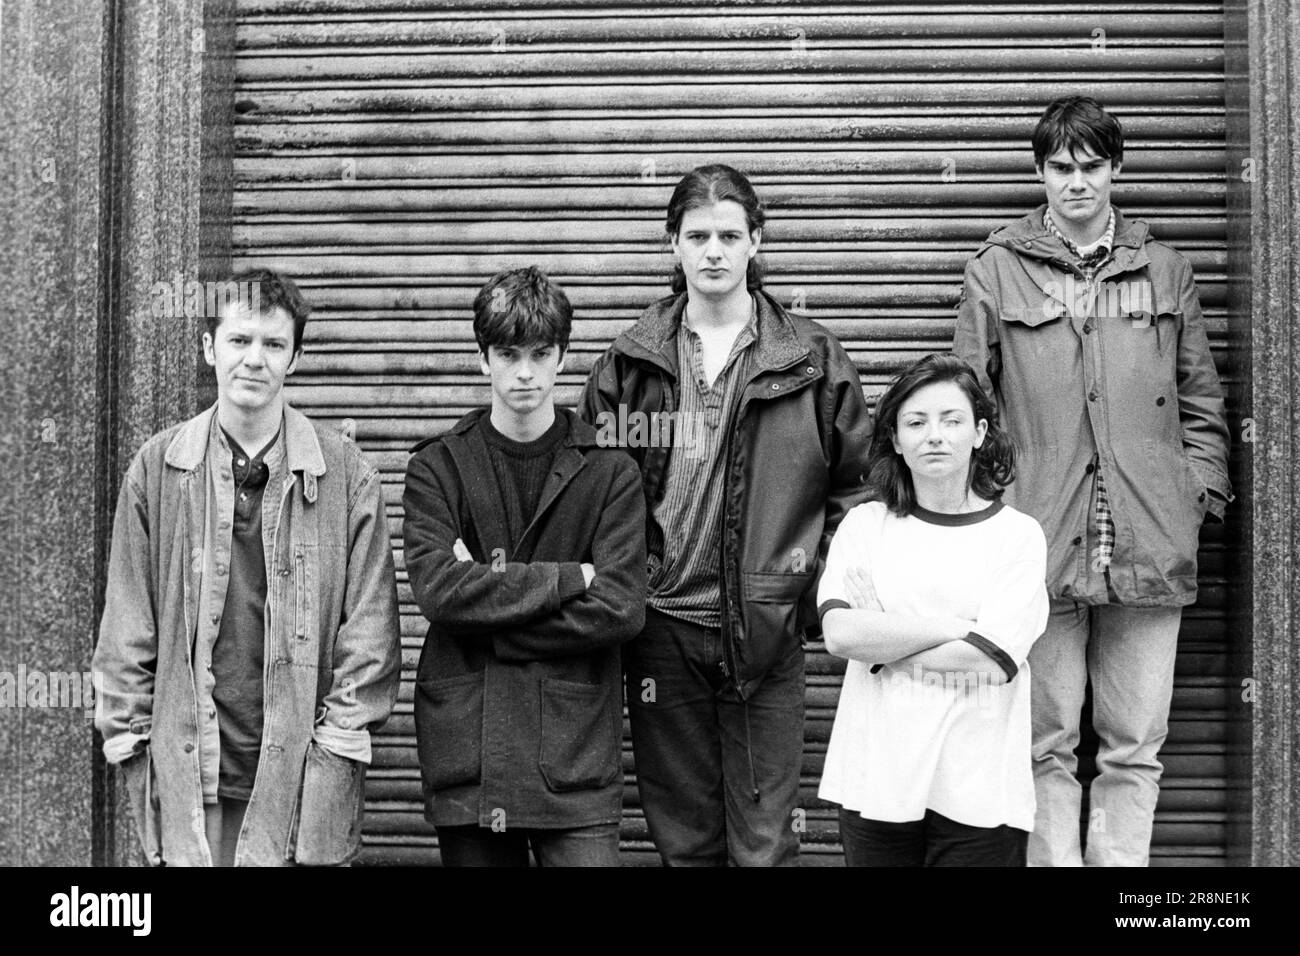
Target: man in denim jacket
{"type": "Point", "coordinates": [1089, 335]}
{"type": "Point", "coordinates": [249, 644]}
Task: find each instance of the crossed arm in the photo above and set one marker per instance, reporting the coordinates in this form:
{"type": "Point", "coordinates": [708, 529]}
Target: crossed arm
{"type": "Point", "coordinates": [865, 632]}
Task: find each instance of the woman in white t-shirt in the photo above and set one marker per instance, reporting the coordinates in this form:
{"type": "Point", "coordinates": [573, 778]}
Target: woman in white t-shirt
{"type": "Point", "coordinates": [934, 592]}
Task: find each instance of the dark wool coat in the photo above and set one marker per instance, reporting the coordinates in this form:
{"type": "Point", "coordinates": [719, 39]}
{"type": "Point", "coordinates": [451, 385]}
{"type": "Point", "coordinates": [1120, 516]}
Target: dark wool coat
{"type": "Point", "coordinates": [518, 699]}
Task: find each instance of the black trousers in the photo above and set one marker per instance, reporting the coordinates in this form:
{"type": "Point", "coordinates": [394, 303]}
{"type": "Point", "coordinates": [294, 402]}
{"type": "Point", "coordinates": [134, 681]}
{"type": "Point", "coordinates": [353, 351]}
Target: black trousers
{"type": "Point", "coordinates": [933, 840]}
{"type": "Point", "coordinates": [718, 776]}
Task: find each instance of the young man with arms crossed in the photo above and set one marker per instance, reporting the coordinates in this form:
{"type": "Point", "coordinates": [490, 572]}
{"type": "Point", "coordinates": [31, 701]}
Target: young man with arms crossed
{"type": "Point", "coordinates": [525, 545]}
{"type": "Point", "coordinates": [1089, 334]}
{"type": "Point", "coordinates": [765, 459]}
{"type": "Point", "coordinates": [249, 645]}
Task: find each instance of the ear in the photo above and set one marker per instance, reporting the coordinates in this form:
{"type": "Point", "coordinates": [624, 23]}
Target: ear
{"type": "Point", "coordinates": [559, 366]}
{"type": "Point", "coordinates": [1115, 167]}
{"type": "Point", "coordinates": [756, 240]}
{"type": "Point", "coordinates": [677, 251]}
{"type": "Point", "coordinates": [483, 362]}
{"type": "Point", "coordinates": [893, 440]}
{"type": "Point", "coordinates": [209, 352]}
{"type": "Point", "coordinates": [981, 431]}
{"type": "Point", "coordinates": [293, 363]}
{"type": "Point", "coordinates": [1038, 168]}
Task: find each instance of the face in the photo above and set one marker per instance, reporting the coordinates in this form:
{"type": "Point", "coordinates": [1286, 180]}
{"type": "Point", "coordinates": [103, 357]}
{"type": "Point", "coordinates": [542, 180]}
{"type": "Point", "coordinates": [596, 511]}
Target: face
{"type": "Point", "coordinates": [252, 352]}
{"type": "Point", "coordinates": [714, 246]}
{"type": "Point", "coordinates": [937, 431]}
{"type": "Point", "coordinates": [1078, 186]}
{"type": "Point", "coordinates": [522, 375]}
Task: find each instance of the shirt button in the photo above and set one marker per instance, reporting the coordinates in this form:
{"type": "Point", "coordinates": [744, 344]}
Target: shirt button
{"type": "Point", "coordinates": [216, 619]}
{"type": "Point", "coordinates": [221, 569]}
{"type": "Point", "coordinates": [1077, 540]}
{"type": "Point", "coordinates": [239, 461]}
{"type": "Point", "coordinates": [1088, 470]}
{"type": "Point", "coordinates": [1160, 400]}
{"type": "Point", "coordinates": [1092, 396]}
{"type": "Point", "coordinates": [224, 525]}
{"type": "Point", "coordinates": [1087, 328]}
{"type": "Point", "coordinates": [776, 386]}
{"type": "Point", "coordinates": [212, 711]}
{"type": "Point", "coordinates": [225, 475]}
{"type": "Point", "coordinates": [189, 748]}
{"type": "Point", "coordinates": [810, 370]}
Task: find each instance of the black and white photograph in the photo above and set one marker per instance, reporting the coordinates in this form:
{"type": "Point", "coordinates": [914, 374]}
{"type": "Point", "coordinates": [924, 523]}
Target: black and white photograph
{"type": "Point", "coordinates": [694, 433]}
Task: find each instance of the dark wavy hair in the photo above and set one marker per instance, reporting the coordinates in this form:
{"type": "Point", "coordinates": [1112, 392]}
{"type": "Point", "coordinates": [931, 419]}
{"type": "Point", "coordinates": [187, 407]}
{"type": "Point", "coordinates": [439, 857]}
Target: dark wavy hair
{"type": "Point", "coordinates": [704, 186]}
{"type": "Point", "coordinates": [269, 290]}
{"type": "Point", "coordinates": [521, 307]}
{"type": "Point", "coordinates": [992, 465]}
{"type": "Point", "coordinates": [1075, 123]}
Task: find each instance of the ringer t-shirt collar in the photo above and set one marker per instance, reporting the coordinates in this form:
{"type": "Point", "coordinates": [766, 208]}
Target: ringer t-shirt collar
{"type": "Point", "coordinates": [956, 520]}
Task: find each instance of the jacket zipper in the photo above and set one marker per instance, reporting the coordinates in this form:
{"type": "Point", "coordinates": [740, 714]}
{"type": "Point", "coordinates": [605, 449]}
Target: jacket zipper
{"type": "Point", "coordinates": [730, 662]}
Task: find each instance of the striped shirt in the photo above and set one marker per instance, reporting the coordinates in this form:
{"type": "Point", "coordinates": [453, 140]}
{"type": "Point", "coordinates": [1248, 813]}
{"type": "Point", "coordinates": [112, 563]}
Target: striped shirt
{"type": "Point", "coordinates": [684, 583]}
{"type": "Point", "coordinates": [1090, 259]}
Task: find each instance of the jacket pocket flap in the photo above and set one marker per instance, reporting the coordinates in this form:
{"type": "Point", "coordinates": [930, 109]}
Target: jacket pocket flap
{"type": "Point", "coordinates": [774, 587]}
{"type": "Point", "coordinates": [1049, 311]}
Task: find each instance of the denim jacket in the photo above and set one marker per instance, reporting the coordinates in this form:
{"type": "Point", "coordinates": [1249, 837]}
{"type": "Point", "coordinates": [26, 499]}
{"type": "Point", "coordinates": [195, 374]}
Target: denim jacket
{"type": "Point", "coordinates": [332, 648]}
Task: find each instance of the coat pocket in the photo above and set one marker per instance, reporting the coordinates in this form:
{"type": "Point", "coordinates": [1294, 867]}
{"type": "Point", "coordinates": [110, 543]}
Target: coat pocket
{"type": "Point", "coordinates": [142, 791]}
{"type": "Point", "coordinates": [1049, 310]}
{"type": "Point", "coordinates": [449, 730]}
{"type": "Point", "coordinates": [327, 826]}
{"type": "Point", "coordinates": [580, 735]}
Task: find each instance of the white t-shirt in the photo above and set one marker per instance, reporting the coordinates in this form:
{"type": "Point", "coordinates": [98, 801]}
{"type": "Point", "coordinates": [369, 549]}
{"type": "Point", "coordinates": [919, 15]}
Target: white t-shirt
{"type": "Point", "coordinates": [905, 741]}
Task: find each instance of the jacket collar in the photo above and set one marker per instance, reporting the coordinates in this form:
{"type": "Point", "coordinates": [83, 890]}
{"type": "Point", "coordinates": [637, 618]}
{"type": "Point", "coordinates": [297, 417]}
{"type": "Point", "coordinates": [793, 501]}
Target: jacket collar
{"type": "Point", "coordinates": [302, 447]}
{"type": "Point", "coordinates": [581, 435]}
{"type": "Point", "coordinates": [654, 337]}
{"type": "Point", "coordinates": [469, 453]}
{"type": "Point", "coordinates": [1029, 237]}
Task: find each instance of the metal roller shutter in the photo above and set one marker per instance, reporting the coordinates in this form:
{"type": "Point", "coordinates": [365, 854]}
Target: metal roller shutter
{"type": "Point", "coordinates": [393, 154]}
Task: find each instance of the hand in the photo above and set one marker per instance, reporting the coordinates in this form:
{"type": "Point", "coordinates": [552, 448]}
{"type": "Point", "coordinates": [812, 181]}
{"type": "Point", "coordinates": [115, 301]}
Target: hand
{"type": "Point", "coordinates": [460, 551]}
{"type": "Point", "coordinates": [862, 593]}
{"type": "Point", "coordinates": [588, 574]}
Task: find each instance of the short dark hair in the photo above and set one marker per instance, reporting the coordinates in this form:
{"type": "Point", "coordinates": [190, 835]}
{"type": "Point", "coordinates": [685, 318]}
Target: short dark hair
{"type": "Point", "coordinates": [704, 186]}
{"type": "Point", "coordinates": [992, 465]}
{"type": "Point", "coordinates": [268, 290]}
{"type": "Point", "coordinates": [519, 307]}
{"type": "Point", "coordinates": [1076, 122]}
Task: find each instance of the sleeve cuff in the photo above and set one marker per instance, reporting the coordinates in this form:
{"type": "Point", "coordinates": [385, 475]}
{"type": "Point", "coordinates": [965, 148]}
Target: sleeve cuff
{"type": "Point", "coordinates": [572, 583]}
{"type": "Point", "coordinates": [827, 606]}
{"type": "Point", "coordinates": [123, 747]}
{"type": "Point", "coordinates": [352, 744]}
{"type": "Point", "coordinates": [999, 656]}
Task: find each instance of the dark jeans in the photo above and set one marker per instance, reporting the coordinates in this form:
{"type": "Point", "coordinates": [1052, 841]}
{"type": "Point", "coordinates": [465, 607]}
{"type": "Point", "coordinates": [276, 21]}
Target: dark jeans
{"type": "Point", "coordinates": [222, 823]}
{"type": "Point", "coordinates": [934, 840]}
{"type": "Point", "coordinates": [480, 846]}
{"type": "Point", "coordinates": [718, 776]}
